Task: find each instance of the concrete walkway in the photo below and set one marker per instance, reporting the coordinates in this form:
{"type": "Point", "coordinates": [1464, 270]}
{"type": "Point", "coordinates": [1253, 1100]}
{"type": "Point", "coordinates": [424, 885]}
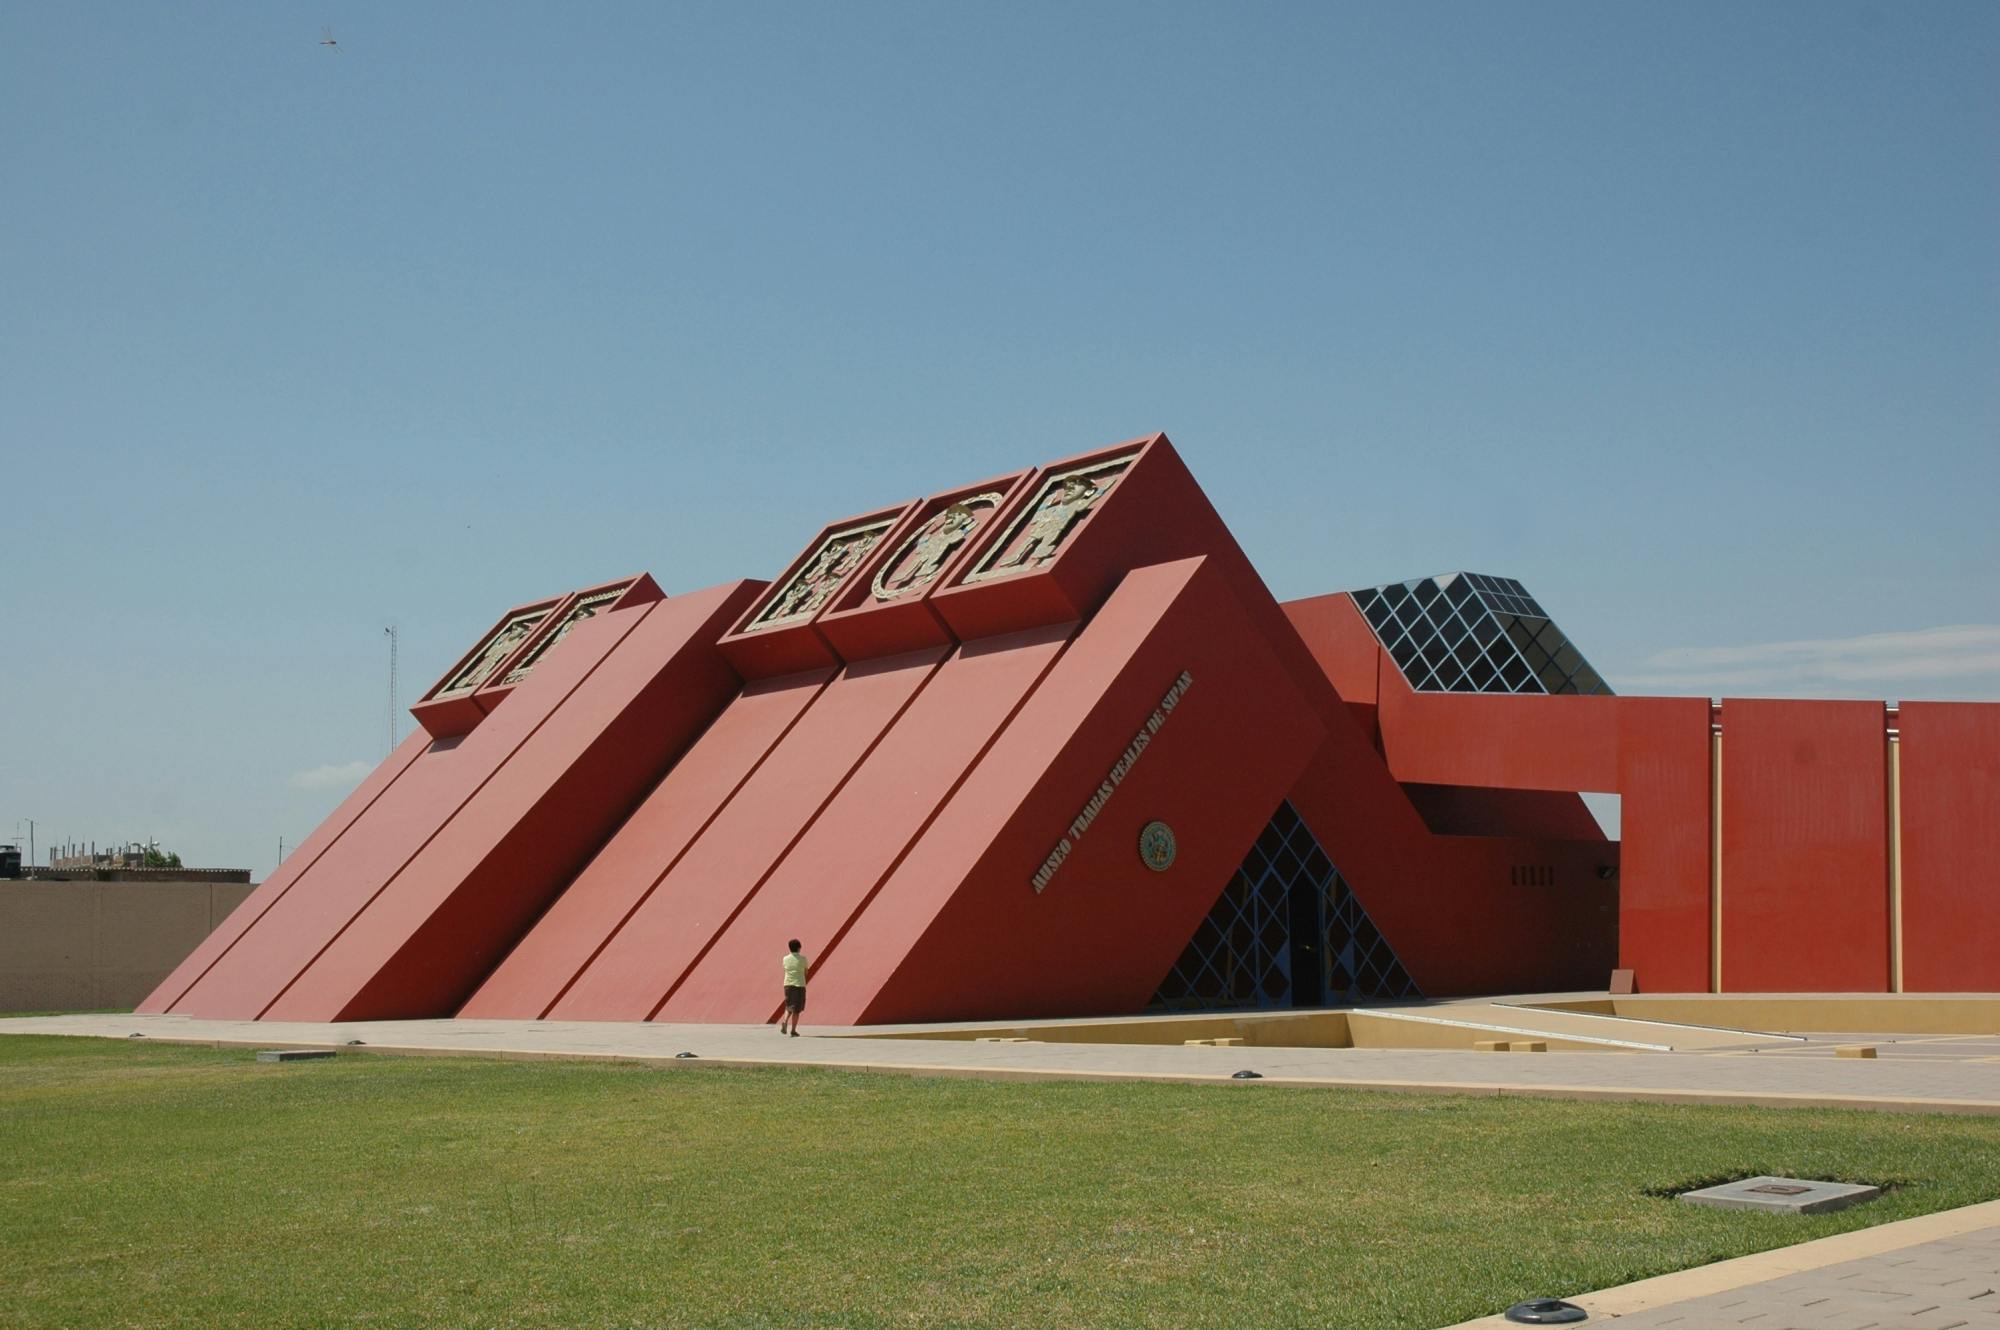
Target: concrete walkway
{"type": "Point", "coordinates": [1958, 1084]}
{"type": "Point", "coordinates": [1934, 1272]}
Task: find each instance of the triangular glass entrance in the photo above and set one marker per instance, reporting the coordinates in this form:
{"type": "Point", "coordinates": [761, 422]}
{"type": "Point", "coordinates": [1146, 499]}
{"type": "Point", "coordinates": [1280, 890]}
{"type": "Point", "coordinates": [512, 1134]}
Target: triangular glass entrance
{"type": "Point", "coordinates": [1286, 932]}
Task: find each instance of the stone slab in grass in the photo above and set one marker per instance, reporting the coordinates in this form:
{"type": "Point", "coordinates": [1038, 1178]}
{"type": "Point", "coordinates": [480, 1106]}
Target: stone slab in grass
{"type": "Point", "coordinates": [1788, 1196]}
{"type": "Point", "coordinates": [293, 1054]}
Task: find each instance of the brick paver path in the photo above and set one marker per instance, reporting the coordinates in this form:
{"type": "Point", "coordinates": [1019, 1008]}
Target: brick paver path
{"type": "Point", "coordinates": [1934, 1286]}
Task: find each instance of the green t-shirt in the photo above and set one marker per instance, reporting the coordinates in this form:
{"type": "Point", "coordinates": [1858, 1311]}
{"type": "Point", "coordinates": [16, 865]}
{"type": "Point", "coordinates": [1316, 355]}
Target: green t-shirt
{"type": "Point", "coordinates": [795, 970]}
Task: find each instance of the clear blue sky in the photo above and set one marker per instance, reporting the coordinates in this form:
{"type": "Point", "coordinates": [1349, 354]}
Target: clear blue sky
{"type": "Point", "coordinates": [1686, 315]}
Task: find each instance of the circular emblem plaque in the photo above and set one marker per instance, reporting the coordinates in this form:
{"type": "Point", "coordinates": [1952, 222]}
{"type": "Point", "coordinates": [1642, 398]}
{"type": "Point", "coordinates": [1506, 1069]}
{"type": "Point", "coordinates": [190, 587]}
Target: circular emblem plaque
{"type": "Point", "coordinates": [1156, 846]}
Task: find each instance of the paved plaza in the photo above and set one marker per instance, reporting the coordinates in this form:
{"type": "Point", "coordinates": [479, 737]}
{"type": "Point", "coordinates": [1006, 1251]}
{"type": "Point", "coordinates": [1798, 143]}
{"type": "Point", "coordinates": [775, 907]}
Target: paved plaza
{"type": "Point", "coordinates": [1957, 1074]}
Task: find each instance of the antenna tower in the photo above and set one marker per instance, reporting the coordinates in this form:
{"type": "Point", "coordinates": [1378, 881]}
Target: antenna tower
{"type": "Point", "coordinates": [390, 631]}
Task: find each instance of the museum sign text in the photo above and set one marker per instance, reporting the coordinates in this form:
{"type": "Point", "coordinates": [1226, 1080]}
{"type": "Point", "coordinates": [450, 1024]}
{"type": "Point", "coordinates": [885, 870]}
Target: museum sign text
{"type": "Point", "coordinates": [1119, 771]}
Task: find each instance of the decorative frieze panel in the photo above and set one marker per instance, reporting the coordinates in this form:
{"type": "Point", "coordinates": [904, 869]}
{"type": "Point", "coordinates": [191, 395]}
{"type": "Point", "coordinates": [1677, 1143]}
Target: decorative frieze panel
{"type": "Point", "coordinates": [1060, 505]}
{"type": "Point", "coordinates": [588, 607]}
{"type": "Point", "coordinates": [493, 652]}
{"type": "Point", "coordinates": [807, 591]}
{"type": "Point", "coordinates": [920, 558]}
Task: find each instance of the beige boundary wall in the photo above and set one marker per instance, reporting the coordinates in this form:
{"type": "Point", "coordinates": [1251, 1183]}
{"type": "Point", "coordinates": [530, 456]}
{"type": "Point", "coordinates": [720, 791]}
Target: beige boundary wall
{"type": "Point", "coordinates": [79, 946]}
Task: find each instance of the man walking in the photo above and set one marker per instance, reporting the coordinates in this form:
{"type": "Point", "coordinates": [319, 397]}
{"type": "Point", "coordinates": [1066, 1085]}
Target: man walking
{"type": "Point", "coordinates": [795, 990]}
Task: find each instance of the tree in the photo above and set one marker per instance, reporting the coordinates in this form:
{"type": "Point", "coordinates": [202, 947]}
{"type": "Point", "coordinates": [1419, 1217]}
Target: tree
{"type": "Point", "coordinates": [154, 859]}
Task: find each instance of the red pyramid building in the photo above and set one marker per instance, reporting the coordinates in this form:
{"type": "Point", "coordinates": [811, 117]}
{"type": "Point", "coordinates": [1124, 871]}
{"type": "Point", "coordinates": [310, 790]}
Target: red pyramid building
{"type": "Point", "coordinates": [1045, 745]}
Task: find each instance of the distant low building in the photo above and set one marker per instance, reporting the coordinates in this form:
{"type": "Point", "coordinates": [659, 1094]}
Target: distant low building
{"type": "Point", "coordinates": [134, 861]}
{"type": "Point", "coordinates": [132, 854]}
{"type": "Point", "coordinates": [131, 862]}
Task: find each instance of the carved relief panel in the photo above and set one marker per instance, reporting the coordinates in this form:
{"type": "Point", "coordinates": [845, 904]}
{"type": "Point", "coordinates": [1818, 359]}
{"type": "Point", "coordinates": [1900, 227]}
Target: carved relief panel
{"type": "Point", "coordinates": [503, 642]}
{"type": "Point", "coordinates": [1060, 506]}
{"type": "Point", "coordinates": [806, 591]}
{"type": "Point", "coordinates": [586, 607]}
{"type": "Point", "coordinates": [917, 562]}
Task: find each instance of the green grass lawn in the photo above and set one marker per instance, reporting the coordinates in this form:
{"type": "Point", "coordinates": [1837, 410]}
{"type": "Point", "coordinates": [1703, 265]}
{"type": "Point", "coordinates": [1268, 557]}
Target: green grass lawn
{"type": "Point", "coordinates": [152, 1185]}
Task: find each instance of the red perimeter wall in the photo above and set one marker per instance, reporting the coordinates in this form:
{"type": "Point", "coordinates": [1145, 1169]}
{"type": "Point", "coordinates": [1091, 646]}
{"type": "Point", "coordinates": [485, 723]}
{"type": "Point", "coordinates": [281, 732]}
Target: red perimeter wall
{"type": "Point", "coordinates": [1805, 870]}
{"type": "Point", "coordinates": [1951, 846]}
{"type": "Point", "coordinates": [1663, 882]}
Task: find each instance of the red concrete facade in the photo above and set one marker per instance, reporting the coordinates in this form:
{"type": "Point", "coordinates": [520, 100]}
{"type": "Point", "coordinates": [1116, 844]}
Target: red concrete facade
{"type": "Point", "coordinates": [1665, 879]}
{"type": "Point", "coordinates": [997, 753]}
{"type": "Point", "coordinates": [1950, 818]}
{"type": "Point", "coordinates": [1805, 870]}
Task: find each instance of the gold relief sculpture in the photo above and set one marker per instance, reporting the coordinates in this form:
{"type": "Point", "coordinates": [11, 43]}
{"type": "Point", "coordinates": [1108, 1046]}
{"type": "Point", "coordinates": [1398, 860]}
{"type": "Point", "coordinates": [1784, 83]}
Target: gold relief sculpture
{"type": "Point", "coordinates": [814, 584]}
{"type": "Point", "coordinates": [917, 564]}
{"type": "Point", "coordinates": [498, 647]}
{"type": "Point", "coordinates": [587, 608]}
{"type": "Point", "coordinates": [1039, 533]}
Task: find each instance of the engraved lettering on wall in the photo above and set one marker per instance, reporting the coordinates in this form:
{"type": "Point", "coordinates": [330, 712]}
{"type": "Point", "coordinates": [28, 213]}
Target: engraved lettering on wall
{"type": "Point", "coordinates": [1109, 786]}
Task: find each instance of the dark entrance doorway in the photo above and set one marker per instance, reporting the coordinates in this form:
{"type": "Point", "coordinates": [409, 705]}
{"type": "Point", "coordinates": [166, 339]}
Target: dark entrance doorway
{"type": "Point", "coordinates": [1308, 943]}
